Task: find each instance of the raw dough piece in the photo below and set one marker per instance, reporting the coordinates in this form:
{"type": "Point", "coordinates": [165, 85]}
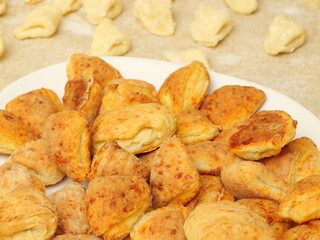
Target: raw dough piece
{"type": "Point", "coordinates": [108, 40]}
{"type": "Point", "coordinates": [67, 6]}
{"type": "Point", "coordinates": [31, 1]}
{"type": "Point", "coordinates": [97, 10]}
{"type": "Point", "coordinates": [242, 6]}
{"type": "Point", "coordinates": [3, 7]}
{"type": "Point", "coordinates": [210, 26]}
{"type": "Point", "coordinates": [41, 22]}
{"type": "Point", "coordinates": [186, 57]}
{"type": "Point", "coordinates": [284, 36]}
{"type": "Point", "coordinates": [2, 44]}
{"type": "Point", "coordinates": [155, 16]}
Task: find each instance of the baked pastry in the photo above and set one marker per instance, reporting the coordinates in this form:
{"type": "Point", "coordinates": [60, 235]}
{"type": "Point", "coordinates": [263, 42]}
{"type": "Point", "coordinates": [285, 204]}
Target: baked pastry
{"type": "Point", "coordinates": [297, 160]}
{"type": "Point", "coordinates": [164, 223]}
{"type": "Point", "coordinates": [209, 157]}
{"type": "Point", "coordinates": [185, 88]}
{"type": "Point", "coordinates": [264, 136]}
{"type": "Point", "coordinates": [124, 92]}
{"type": "Point", "coordinates": [114, 160]}
{"type": "Point", "coordinates": [194, 126]}
{"type": "Point", "coordinates": [173, 178]}
{"type": "Point", "coordinates": [246, 179]}
{"type": "Point", "coordinates": [302, 203]}
{"type": "Point", "coordinates": [67, 141]}
{"type": "Point", "coordinates": [226, 220]}
{"type": "Point", "coordinates": [71, 208]}
{"type": "Point", "coordinates": [226, 133]}
{"type": "Point", "coordinates": [26, 213]}
{"type": "Point", "coordinates": [13, 132]}
{"type": "Point", "coordinates": [83, 95]}
{"type": "Point", "coordinates": [306, 231]}
{"type": "Point", "coordinates": [115, 203]}
{"type": "Point", "coordinates": [148, 159]}
{"type": "Point", "coordinates": [69, 236]}
{"type": "Point", "coordinates": [86, 67]}
{"type": "Point", "coordinates": [34, 107]}
{"type": "Point", "coordinates": [33, 155]}
{"type": "Point", "coordinates": [136, 128]}
{"type": "Point", "coordinates": [232, 103]}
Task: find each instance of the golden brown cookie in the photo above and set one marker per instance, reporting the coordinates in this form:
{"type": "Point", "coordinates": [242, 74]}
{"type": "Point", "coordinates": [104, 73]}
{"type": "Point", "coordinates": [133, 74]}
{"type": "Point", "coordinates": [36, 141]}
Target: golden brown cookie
{"type": "Point", "coordinates": [194, 126]}
{"type": "Point", "coordinates": [264, 136]}
{"type": "Point", "coordinates": [26, 213]}
{"type": "Point", "coordinates": [232, 103]}
{"type": "Point", "coordinates": [86, 67]}
{"type": "Point", "coordinates": [185, 88]}
{"type": "Point", "coordinates": [226, 220]}
{"type": "Point", "coordinates": [114, 160]}
{"type": "Point", "coordinates": [67, 141]}
{"type": "Point", "coordinates": [247, 179]}
{"type": "Point", "coordinates": [71, 208]}
{"type": "Point", "coordinates": [34, 107]}
{"type": "Point", "coordinates": [76, 237]}
{"type": "Point", "coordinates": [115, 203]}
{"type": "Point", "coordinates": [209, 157]}
{"type": "Point", "coordinates": [136, 128]}
{"type": "Point", "coordinates": [33, 155]}
{"type": "Point", "coordinates": [148, 159]}
{"type": "Point", "coordinates": [173, 178]}
{"type": "Point", "coordinates": [84, 95]}
{"type": "Point", "coordinates": [164, 223]}
{"type": "Point", "coordinates": [306, 231]}
{"type": "Point", "coordinates": [302, 203]}
{"type": "Point", "coordinates": [297, 160]}
{"type": "Point", "coordinates": [13, 132]}
{"type": "Point", "coordinates": [124, 92]}
{"type": "Point", "coordinates": [226, 133]}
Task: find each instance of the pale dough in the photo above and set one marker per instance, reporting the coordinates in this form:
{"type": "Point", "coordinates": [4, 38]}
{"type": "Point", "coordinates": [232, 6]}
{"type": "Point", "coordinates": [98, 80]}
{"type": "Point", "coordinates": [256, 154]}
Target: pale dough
{"type": "Point", "coordinates": [41, 22]}
{"type": "Point", "coordinates": [67, 6]}
{"type": "Point", "coordinates": [3, 7]}
{"type": "Point", "coordinates": [97, 10]}
{"type": "Point", "coordinates": [242, 6]}
{"type": "Point", "coordinates": [108, 40]}
{"type": "Point", "coordinates": [284, 36]}
{"type": "Point", "coordinates": [31, 1]}
{"type": "Point", "coordinates": [210, 25]}
{"type": "Point", "coordinates": [156, 16]}
{"type": "Point", "coordinates": [185, 57]}
{"type": "Point", "coordinates": [2, 46]}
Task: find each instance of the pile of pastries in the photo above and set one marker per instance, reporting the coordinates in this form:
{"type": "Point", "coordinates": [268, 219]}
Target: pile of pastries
{"type": "Point", "coordinates": [175, 163]}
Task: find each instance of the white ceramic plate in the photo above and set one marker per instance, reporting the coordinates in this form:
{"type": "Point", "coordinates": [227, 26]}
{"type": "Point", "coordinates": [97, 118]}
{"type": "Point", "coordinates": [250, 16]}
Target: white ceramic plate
{"type": "Point", "coordinates": [154, 71]}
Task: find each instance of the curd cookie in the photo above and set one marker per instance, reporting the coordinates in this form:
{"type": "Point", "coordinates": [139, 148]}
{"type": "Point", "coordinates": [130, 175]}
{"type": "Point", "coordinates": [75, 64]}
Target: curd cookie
{"type": "Point", "coordinates": [66, 139]}
{"type": "Point", "coordinates": [84, 95]}
{"type": "Point", "coordinates": [42, 22]}
{"type": "Point", "coordinates": [69, 236]}
{"type": "Point", "coordinates": [226, 220]}
{"type": "Point", "coordinates": [123, 92]}
{"type": "Point", "coordinates": [31, 1]}
{"type": "Point", "coordinates": [114, 160]}
{"type": "Point", "coordinates": [225, 134]}
{"type": "Point", "coordinates": [247, 179]}
{"type": "Point", "coordinates": [173, 178]}
{"type": "Point", "coordinates": [232, 103]}
{"type": "Point", "coordinates": [97, 10]}
{"type": "Point", "coordinates": [264, 136]}
{"type": "Point", "coordinates": [210, 26]}
{"type": "Point", "coordinates": [244, 7]}
{"type": "Point", "coordinates": [67, 6]}
{"type": "Point", "coordinates": [185, 88]}
{"type": "Point", "coordinates": [186, 56]}
{"type": "Point", "coordinates": [301, 203]}
{"type": "Point", "coordinates": [136, 128]}
{"type": "Point", "coordinates": [34, 107]}
{"type": "Point", "coordinates": [13, 132]}
{"type": "Point", "coordinates": [284, 36]}
{"type": "Point", "coordinates": [297, 160]}
{"type": "Point", "coordinates": [2, 45]}
{"type": "Point", "coordinates": [155, 15]}
{"type": "Point", "coordinates": [194, 126]}
{"type": "Point", "coordinates": [309, 231]}
{"type": "Point", "coordinates": [109, 40]}
{"type": "Point", "coordinates": [3, 8]}
{"type": "Point", "coordinates": [164, 223]}
{"type": "Point", "coordinates": [148, 159]}
{"type": "Point", "coordinates": [209, 157]}
{"type": "Point", "coordinates": [33, 155]}
{"type": "Point", "coordinates": [27, 213]}
{"type": "Point", "coordinates": [71, 208]}
{"type": "Point", "coordinates": [115, 203]}
{"type": "Point", "coordinates": [86, 67]}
